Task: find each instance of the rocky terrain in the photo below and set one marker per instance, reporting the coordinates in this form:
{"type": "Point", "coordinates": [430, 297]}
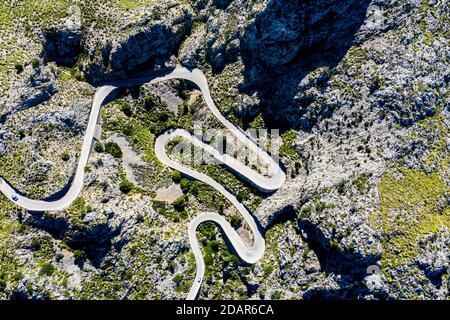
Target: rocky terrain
{"type": "Point", "coordinates": [358, 88]}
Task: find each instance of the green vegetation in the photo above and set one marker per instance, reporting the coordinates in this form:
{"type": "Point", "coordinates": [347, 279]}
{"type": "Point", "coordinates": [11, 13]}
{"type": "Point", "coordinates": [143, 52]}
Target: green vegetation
{"type": "Point", "coordinates": [276, 295]}
{"type": "Point", "coordinates": [437, 151]}
{"type": "Point", "coordinates": [356, 57]}
{"type": "Point", "coordinates": [78, 210]}
{"type": "Point", "coordinates": [132, 4]}
{"type": "Point", "coordinates": [18, 67]}
{"type": "Point", "coordinates": [47, 269]}
{"type": "Point", "coordinates": [113, 149]}
{"type": "Point", "coordinates": [377, 83]}
{"type": "Point", "coordinates": [243, 192]}
{"type": "Point", "coordinates": [107, 284]}
{"type": "Point", "coordinates": [151, 102]}
{"type": "Point", "coordinates": [15, 165]}
{"type": "Point", "coordinates": [49, 12]}
{"type": "Point", "coordinates": [412, 201]}
{"type": "Point", "coordinates": [126, 186]}
{"type": "Point", "coordinates": [126, 108]}
{"type": "Point", "coordinates": [305, 212]}
{"type": "Point", "coordinates": [236, 220]}
{"type": "Point", "coordinates": [429, 37]}
{"type": "Point", "coordinates": [98, 147]}
{"type": "Point", "coordinates": [185, 185]}
{"type": "Point", "coordinates": [180, 203]}
{"type": "Point", "coordinates": [178, 212]}
{"type": "Point", "coordinates": [361, 182]}
{"type": "Point", "coordinates": [176, 176]}
{"type": "Point", "coordinates": [10, 269]}
{"type": "Point", "coordinates": [17, 20]}
{"type": "Point", "coordinates": [160, 207]}
{"type": "Point", "coordinates": [65, 156]}
{"type": "Point", "coordinates": [11, 165]}
{"type": "Point", "coordinates": [267, 270]}
{"type": "Point", "coordinates": [409, 209]}
{"type": "Point", "coordinates": [177, 279]}
{"type": "Point", "coordinates": [79, 254]}
{"type": "Point", "coordinates": [215, 253]}
{"type": "Point", "coordinates": [70, 74]}
{"type": "Point", "coordinates": [148, 117]}
{"type": "Point", "coordinates": [288, 149]}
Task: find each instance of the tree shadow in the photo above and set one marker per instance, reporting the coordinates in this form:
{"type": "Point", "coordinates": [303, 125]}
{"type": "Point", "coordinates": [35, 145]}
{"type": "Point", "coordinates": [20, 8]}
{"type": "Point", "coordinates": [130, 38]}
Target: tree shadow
{"type": "Point", "coordinates": [332, 259]}
{"type": "Point", "coordinates": [286, 41]}
{"type": "Point", "coordinates": [95, 240]}
{"type": "Point", "coordinates": [350, 265]}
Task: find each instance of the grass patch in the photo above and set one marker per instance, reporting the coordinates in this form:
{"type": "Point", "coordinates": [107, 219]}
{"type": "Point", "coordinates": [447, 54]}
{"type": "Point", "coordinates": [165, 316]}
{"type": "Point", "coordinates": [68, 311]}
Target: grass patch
{"type": "Point", "coordinates": [409, 209]}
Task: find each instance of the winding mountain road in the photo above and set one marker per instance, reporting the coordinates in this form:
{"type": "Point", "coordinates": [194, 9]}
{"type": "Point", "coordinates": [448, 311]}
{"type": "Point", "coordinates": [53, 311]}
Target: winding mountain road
{"type": "Point", "coordinates": [268, 183]}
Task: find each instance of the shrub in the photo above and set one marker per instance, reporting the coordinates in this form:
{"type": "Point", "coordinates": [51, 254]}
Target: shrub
{"type": "Point", "coordinates": [159, 206]}
{"type": "Point", "coordinates": [262, 294]}
{"type": "Point", "coordinates": [113, 149]}
{"type": "Point", "coordinates": [98, 147]}
{"type": "Point", "coordinates": [128, 129]}
{"type": "Point", "coordinates": [207, 230]}
{"type": "Point", "coordinates": [342, 186]}
{"type": "Point", "coordinates": [18, 67]}
{"type": "Point", "coordinates": [185, 184]}
{"type": "Point", "coordinates": [177, 279]}
{"type": "Point", "coordinates": [78, 75]}
{"type": "Point", "coordinates": [214, 244]}
{"type": "Point", "coordinates": [176, 176]}
{"type": "Point", "coordinates": [182, 215]}
{"type": "Point", "coordinates": [235, 221]}
{"type": "Point", "coordinates": [179, 204]}
{"type": "Point", "coordinates": [242, 195]}
{"type": "Point", "coordinates": [35, 244]}
{"type": "Point", "coordinates": [361, 183]}
{"type": "Point", "coordinates": [185, 109]}
{"type": "Point", "coordinates": [126, 108]}
{"type": "Point", "coordinates": [276, 295]}
{"type": "Point", "coordinates": [305, 212]}
{"type": "Point", "coordinates": [267, 270]}
{"type": "Point", "coordinates": [163, 116]}
{"type": "Point", "coordinates": [79, 254]}
{"type": "Point", "coordinates": [125, 186]}
{"type": "Point", "coordinates": [65, 156]}
{"type": "Point", "coordinates": [208, 256]}
{"type": "Point", "coordinates": [47, 269]}
{"type": "Point", "coordinates": [194, 188]}
{"type": "Point", "coordinates": [79, 206]}
{"type": "Point", "coordinates": [150, 102]}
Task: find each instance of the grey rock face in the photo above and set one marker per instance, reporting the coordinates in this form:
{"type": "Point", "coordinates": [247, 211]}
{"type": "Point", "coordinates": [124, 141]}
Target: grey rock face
{"type": "Point", "coordinates": [3, 149]}
{"type": "Point", "coordinates": [348, 82]}
{"type": "Point", "coordinates": [93, 234]}
{"type": "Point", "coordinates": [4, 137]}
{"type": "Point", "coordinates": [192, 51]}
{"type": "Point", "coordinates": [286, 41]}
{"type": "Point", "coordinates": [435, 259]}
{"type": "Point", "coordinates": [34, 89]}
{"type": "Point", "coordinates": [141, 45]}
